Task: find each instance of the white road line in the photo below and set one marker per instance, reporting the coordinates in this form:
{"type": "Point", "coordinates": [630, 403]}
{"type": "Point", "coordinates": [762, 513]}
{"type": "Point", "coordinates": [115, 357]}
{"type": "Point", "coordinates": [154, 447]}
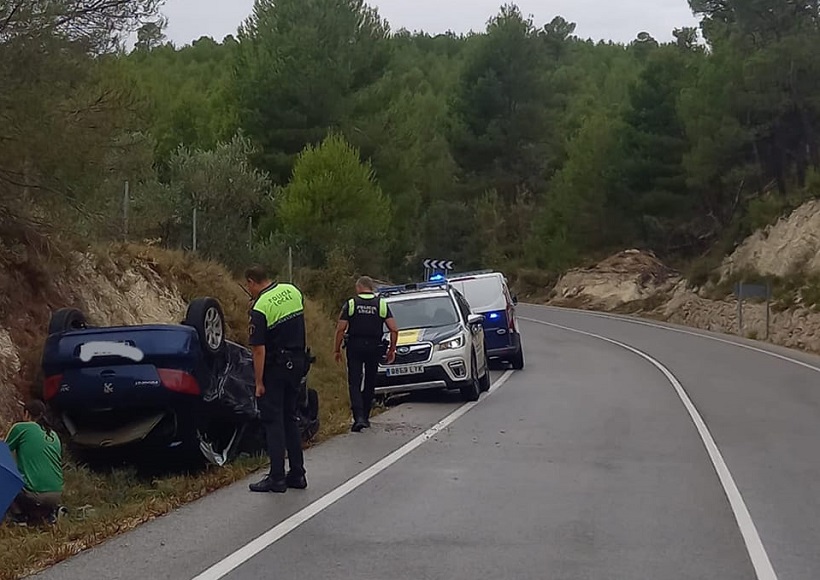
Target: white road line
{"type": "Point", "coordinates": [754, 546]}
{"type": "Point", "coordinates": [631, 320]}
{"type": "Point", "coordinates": [245, 553]}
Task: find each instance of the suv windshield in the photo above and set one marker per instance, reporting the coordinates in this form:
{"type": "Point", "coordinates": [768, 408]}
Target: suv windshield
{"type": "Point", "coordinates": [424, 312]}
{"type": "Point", "coordinates": [483, 293]}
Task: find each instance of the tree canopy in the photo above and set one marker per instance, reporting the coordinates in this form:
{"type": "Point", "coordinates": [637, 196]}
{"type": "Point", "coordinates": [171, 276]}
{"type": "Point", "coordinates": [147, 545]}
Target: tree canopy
{"type": "Point", "coordinates": [320, 127]}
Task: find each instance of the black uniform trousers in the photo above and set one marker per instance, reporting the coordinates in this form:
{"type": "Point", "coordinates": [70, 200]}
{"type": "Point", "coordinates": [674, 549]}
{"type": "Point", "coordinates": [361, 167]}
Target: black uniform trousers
{"type": "Point", "coordinates": [278, 410]}
{"type": "Point", "coordinates": [363, 357]}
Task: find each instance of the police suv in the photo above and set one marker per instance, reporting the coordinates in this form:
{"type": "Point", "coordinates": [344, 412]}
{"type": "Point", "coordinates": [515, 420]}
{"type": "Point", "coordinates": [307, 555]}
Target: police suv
{"type": "Point", "coordinates": [441, 342]}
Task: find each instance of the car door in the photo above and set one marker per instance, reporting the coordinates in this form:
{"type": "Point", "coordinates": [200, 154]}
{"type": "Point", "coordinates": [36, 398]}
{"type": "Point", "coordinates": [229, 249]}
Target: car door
{"type": "Point", "coordinates": [476, 331]}
{"type": "Point", "coordinates": [511, 307]}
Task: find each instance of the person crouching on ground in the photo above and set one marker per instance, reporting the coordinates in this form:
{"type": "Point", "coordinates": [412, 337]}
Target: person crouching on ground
{"type": "Point", "coordinates": [38, 452]}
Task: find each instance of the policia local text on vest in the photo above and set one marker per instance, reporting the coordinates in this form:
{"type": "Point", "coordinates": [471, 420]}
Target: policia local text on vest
{"type": "Point", "coordinates": [362, 319]}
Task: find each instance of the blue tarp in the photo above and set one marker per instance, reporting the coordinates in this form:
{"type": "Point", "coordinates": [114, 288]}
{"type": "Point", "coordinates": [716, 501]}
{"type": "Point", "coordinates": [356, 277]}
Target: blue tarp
{"type": "Point", "coordinates": [11, 482]}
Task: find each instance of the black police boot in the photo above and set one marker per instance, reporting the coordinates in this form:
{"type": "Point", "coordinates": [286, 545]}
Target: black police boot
{"type": "Point", "coordinates": [358, 422]}
{"type": "Point", "coordinates": [269, 485]}
{"type": "Point", "coordinates": [296, 481]}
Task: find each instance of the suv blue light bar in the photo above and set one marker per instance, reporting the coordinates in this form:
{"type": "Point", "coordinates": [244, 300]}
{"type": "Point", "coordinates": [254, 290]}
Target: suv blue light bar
{"type": "Point", "coordinates": [413, 287]}
{"type": "Point", "coordinates": [472, 273]}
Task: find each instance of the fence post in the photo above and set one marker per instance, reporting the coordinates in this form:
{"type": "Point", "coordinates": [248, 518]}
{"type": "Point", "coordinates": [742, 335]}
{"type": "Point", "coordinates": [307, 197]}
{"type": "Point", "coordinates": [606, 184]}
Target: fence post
{"type": "Point", "coordinates": [768, 308]}
{"type": "Point", "coordinates": [740, 309]}
{"type": "Point", "coordinates": [290, 264]}
{"type": "Point", "coordinates": [126, 201]}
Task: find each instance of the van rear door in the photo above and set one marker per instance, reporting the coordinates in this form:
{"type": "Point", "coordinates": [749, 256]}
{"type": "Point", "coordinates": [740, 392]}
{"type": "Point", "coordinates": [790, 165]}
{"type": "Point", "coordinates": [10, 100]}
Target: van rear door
{"type": "Point", "coordinates": [486, 296]}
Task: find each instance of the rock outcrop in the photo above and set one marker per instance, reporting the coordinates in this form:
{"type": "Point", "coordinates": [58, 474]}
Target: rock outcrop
{"type": "Point", "coordinates": [789, 247]}
{"type": "Point", "coordinates": [628, 277]}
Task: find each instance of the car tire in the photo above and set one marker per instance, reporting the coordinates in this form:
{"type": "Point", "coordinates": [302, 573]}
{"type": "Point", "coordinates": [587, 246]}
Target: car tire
{"type": "Point", "coordinates": [311, 428]}
{"type": "Point", "coordinates": [517, 360]}
{"type": "Point", "coordinates": [206, 317]}
{"type": "Point", "coordinates": [66, 320]}
{"type": "Point", "coordinates": [472, 390]}
{"type": "Point", "coordinates": [484, 382]}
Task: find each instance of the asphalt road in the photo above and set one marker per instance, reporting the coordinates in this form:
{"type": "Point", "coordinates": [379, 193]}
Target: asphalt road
{"type": "Point", "coordinates": [624, 450]}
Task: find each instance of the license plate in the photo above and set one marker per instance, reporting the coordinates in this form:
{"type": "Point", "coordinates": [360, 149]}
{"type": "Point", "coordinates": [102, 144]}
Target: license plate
{"type": "Point", "coordinates": [91, 350]}
{"type": "Point", "coordinates": [401, 371]}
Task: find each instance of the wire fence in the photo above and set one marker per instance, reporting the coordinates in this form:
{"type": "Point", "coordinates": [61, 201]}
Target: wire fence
{"type": "Point", "coordinates": [217, 233]}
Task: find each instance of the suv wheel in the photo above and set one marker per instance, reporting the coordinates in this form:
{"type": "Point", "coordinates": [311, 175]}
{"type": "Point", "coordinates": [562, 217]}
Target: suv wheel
{"type": "Point", "coordinates": [484, 382]}
{"type": "Point", "coordinates": [472, 390]}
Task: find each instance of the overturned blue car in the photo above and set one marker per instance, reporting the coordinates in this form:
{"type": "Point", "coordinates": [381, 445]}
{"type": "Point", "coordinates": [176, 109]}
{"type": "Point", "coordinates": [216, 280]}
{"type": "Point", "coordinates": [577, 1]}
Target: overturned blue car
{"type": "Point", "coordinates": [159, 390]}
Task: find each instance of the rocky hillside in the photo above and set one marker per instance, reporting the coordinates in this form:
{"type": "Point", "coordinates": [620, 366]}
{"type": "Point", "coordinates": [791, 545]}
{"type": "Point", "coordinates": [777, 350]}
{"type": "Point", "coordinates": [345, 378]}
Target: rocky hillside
{"type": "Point", "coordinates": [788, 248]}
{"type": "Point", "coordinates": [116, 285]}
{"type": "Point", "coordinates": [786, 253]}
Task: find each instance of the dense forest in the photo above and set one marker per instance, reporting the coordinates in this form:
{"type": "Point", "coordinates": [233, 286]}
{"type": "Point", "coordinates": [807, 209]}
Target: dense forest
{"type": "Point", "coordinates": [319, 128]}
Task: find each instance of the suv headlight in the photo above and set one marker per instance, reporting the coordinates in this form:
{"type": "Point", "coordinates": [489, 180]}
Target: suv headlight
{"type": "Point", "coordinates": [452, 344]}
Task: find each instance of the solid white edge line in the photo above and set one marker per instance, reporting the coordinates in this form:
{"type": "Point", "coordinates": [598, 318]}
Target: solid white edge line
{"type": "Point", "coordinates": [754, 545]}
{"type": "Point", "coordinates": [248, 551]}
{"type": "Point", "coordinates": [630, 320]}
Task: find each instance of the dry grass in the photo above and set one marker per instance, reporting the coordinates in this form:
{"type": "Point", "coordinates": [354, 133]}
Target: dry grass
{"type": "Point", "coordinates": [119, 501]}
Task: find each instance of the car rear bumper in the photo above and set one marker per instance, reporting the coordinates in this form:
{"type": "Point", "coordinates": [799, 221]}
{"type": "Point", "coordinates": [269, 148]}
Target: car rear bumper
{"type": "Point", "coordinates": [132, 432]}
{"type": "Point", "coordinates": [506, 352]}
{"type": "Point", "coordinates": [153, 428]}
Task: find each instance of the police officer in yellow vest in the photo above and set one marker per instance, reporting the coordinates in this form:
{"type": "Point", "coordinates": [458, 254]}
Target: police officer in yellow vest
{"type": "Point", "coordinates": [363, 319]}
{"type": "Point", "coordinates": [277, 339]}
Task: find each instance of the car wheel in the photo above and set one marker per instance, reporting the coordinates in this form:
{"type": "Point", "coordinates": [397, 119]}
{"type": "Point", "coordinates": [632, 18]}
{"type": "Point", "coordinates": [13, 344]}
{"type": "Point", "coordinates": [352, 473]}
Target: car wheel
{"type": "Point", "coordinates": [312, 428]}
{"type": "Point", "coordinates": [484, 382]}
{"type": "Point", "coordinates": [66, 320]}
{"type": "Point", "coordinates": [472, 390]}
{"type": "Point", "coordinates": [517, 360]}
{"type": "Point", "coordinates": [206, 316]}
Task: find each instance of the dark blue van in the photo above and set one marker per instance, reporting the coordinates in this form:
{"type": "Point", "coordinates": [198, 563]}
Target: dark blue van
{"type": "Point", "coordinates": [488, 294]}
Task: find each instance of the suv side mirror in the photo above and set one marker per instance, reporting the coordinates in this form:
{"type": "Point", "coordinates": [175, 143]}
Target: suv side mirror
{"type": "Point", "coordinates": [475, 319]}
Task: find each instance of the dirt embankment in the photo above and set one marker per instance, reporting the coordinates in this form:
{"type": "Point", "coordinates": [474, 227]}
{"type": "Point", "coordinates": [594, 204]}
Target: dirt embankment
{"type": "Point", "coordinates": [787, 253]}
{"type": "Point", "coordinates": [119, 285]}
{"type": "Point", "coordinates": [626, 280]}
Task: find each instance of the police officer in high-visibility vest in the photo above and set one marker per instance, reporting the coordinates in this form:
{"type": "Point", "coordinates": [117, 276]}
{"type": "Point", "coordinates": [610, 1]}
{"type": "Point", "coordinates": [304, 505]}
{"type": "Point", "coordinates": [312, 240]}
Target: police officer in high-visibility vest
{"type": "Point", "coordinates": [277, 339]}
{"type": "Point", "coordinates": [363, 318]}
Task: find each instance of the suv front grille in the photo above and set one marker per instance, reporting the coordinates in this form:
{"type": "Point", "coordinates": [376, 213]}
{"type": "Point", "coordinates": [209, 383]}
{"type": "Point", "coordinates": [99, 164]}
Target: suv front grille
{"type": "Point", "coordinates": [417, 355]}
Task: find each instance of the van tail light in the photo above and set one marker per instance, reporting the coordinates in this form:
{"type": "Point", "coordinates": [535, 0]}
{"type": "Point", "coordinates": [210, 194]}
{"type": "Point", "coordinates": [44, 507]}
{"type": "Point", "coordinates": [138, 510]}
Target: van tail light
{"type": "Point", "coordinates": [51, 386]}
{"type": "Point", "coordinates": [510, 321]}
{"type": "Point", "coordinates": [179, 381]}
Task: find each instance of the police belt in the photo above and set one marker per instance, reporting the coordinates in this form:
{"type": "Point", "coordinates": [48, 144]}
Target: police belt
{"type": "Point", "coordinates": [363, 341]}
{"type": "Point", "coordinates": [286, 357]}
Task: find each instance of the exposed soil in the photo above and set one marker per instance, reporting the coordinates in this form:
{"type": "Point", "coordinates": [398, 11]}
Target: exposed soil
{"type": "Point", "coordinates": [627, 278]}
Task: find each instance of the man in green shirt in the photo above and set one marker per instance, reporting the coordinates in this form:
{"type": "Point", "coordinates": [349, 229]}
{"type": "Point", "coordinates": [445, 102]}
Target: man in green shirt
{"type": "Point", "coordinates": [38, 451]}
